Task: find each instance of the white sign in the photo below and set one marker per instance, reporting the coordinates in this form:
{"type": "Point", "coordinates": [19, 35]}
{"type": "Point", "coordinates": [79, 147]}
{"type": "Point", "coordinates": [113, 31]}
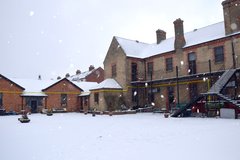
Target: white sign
{"type": "Point", "coordinates": [227, 113]}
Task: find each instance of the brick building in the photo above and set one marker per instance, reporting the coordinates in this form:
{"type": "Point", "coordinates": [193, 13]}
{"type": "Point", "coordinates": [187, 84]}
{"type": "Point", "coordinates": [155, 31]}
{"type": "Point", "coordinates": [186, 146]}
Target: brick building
{"type": "Point", "coordinates": [176, 70]}
{"type": "Point", "coordinates": [35, 95]}
{"type": "Point", "coordinates": [92, 75]}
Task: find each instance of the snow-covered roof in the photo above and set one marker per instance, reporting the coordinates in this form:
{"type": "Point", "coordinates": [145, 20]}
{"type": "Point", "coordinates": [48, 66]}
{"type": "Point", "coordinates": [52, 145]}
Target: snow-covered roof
{"type": "Point", "coordinates": [143, 50]}
{"type": "Point", "coordinates": [33, 87]}
{"type": "Point", "coordinates": [81, 76]}
{"type": "Point", "coordinates": [130, 47]}
{"type": "Point", "coordinates": [85, 86]}
{"type": "Point", "coordinates": [84, 94]}
{"type": "Point", "coordinates": [107, 84]}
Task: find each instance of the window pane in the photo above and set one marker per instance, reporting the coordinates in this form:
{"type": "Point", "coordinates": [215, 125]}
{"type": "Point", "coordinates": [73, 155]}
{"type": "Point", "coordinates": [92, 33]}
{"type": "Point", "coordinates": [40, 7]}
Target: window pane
{"type": "Point", "coordinates": [150, 68]}
{"type": "Point", "coordinates": [134, 71]}
{"type": "Point", "coordinates": [96, 98]}
{"type": "Point", "coordinates": [191, 56]}
{"type": "Point", "coordinates": [169, 64]}
{"type": "Point", "coordinates": [64, 100]}
{"type": "Point", "coordinates": [219, 54]}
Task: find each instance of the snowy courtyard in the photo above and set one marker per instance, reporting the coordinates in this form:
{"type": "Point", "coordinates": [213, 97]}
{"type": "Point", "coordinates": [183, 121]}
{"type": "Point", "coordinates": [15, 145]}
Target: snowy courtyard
{"type": "Point", "coordinates": [142, 136]}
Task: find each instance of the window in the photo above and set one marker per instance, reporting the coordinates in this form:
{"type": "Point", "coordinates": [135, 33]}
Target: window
{"type": "Point", "coordinates": [85, 101]}
{"type": "Point", "coordinates": [1, 99]}
{"type": "Point", "coordinates": [150, 68]}
{"type": "Point", "coordinates": [219, 54]}
{"type": "Point", "coordinates": [193, 91]}
{"type": "Point", "coordinates": [151, 97]}
{"type": "Point", "coordinates": [169, 64]}
{"type": "Point", "coordinates": [134, 72]}
{"type": "Point", "coordinates": [192, 65]}
{"type": "Point", "coordinates": [64, 100]}
{"type": "Point", "coordinates": [96, 98]}
{"type": "Point", "coordinates": [114, 70]}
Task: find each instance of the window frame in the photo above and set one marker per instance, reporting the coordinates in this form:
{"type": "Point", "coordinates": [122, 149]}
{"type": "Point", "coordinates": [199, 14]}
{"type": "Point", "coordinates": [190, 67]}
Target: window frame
{"type": "Point", "coordinates": [134, 75]}
{"type": "Point", "coordinates": [219, 56]}
{"type": "Point", "coordinates": [96, 98]}
{"type": "Point", "coordinates": [150, 68]}
{"type": "Point", "coordinates": [169, 64]}
{"type": "Point", "coordinates": [64, 99]}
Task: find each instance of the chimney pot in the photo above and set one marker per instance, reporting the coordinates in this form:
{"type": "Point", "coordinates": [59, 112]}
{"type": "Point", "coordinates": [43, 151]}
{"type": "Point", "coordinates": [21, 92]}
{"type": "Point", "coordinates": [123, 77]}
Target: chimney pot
{"type": "Point", "coordinates": [161, 35]}
{"type": "Point", "coordinates": [91, 67]}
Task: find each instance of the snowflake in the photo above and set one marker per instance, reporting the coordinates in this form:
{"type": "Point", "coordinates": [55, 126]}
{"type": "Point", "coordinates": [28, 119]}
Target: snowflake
{"type": "Point", "coordinates": [31, 13]}
{"type": "Point", "coordinates": [233, 26]}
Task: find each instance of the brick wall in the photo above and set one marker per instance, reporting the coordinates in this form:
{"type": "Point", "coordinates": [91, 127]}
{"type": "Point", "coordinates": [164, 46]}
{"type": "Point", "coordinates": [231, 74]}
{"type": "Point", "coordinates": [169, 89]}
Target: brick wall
{"type": "Point", "coordinates": [96, 76]}
{"type": "Point", "coordinates": [66, 87]}
{"type": "Point", "coordinates": [12, 101]}
{"type": "Point", "coordinates": [204, 53]}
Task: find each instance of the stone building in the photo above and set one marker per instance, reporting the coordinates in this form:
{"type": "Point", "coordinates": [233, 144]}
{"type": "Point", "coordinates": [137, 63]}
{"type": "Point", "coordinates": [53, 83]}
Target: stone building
{"type": "Point", "coordinates": [173, 71]}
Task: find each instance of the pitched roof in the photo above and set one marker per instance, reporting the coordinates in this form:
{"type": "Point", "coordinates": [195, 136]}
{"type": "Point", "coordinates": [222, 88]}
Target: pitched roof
{"type": "Point", "coordinates": [198, 36]}
{"type": "Point", "coordinates": [107, 84]}
{"type": "Point", "coordinates": [86, 87]}
{"type": "Point", "coordinates": [81, 76]}
{"type": "Point", "coordinates": [56, 82]}
{"type": "Point", "coordinates": [33, 87]}
{"type": "Point", "coordinates": [1, 76]}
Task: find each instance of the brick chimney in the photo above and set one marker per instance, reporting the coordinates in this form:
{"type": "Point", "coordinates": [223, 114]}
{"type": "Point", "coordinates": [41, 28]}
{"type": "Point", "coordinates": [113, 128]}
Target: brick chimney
{"type": "Point", "coordinates": [231, 12]}
{"type": "Point", "coordinates": [179, 34]}
{"type": "Point", "coordinates": [91, 67]}
{"type": "Point", "coordinates": [161, 35]}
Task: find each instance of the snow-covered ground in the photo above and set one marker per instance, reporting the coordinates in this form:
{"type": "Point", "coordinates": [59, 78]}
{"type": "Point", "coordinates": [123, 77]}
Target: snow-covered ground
{"type": "Point", "coordinates": [145, 136]}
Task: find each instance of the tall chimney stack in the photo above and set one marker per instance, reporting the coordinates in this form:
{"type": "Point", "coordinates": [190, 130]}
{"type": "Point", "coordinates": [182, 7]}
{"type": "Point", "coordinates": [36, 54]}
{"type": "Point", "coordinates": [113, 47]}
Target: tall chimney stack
{"type": "Point", "coordinates": [161, 35]}
{"type": "Point", "coordinates": [231, 11]}
{"type": "Point", "coordinates": [179, 34]}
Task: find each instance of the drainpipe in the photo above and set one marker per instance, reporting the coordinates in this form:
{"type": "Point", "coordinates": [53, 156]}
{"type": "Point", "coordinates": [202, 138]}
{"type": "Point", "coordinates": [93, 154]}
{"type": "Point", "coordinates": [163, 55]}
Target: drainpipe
{"type": "Point", "coordinates": [177, 86]}
{"type": "Point", "coordinates": [234, 66]}
{"type": "Point", "coordinates": [233, 55]}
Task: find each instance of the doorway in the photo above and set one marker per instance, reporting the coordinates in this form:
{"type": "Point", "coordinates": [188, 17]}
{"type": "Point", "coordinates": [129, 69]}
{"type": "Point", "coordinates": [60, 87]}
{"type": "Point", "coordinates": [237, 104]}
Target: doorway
{"type": "Point", "coordinates": [34, 106]}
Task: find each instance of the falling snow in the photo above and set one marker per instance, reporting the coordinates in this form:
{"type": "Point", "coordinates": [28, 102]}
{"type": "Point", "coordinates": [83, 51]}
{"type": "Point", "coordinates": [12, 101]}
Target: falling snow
{"type": "Point", "coordinates": [60, 41]}
{"type": "Point", "coordinates": [233, 26]}
{"type": "Point", "coordinates": [31, 13]}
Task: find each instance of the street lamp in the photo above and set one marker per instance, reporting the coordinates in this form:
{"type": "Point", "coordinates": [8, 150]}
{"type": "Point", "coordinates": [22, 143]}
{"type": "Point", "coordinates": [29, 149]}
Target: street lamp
{"type": "Point", "coordinates": [146, 86]}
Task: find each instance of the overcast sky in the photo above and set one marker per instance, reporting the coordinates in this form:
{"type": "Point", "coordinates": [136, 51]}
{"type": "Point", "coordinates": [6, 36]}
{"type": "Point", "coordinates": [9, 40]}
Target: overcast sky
{"type": "Point", "coordinates": [55, 37]}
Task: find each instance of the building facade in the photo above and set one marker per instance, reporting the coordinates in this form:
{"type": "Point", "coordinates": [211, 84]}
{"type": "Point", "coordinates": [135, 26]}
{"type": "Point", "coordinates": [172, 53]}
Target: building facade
{"type": "Point", "coordinates": [92, 75]}
{"type": "Point", "coordinates": [176, 70]}
{"type": "Point", "coordinates": [34, 95]}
